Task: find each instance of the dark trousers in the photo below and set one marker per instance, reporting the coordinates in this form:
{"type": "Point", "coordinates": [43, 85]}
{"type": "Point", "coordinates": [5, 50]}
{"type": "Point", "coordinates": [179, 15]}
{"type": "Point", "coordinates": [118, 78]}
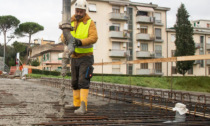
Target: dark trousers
{"type": "Point", "coordinates": [80, 68]}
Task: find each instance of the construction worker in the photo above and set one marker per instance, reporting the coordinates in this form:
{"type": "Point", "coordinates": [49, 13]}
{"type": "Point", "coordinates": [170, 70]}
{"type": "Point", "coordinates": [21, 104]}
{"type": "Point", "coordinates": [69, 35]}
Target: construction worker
{"type": "Point", "coordinates": [82, 59]}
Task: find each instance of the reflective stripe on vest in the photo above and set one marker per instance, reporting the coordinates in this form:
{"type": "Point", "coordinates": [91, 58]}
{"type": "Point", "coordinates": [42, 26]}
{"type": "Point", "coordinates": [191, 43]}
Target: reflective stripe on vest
{"type": "Point", "coordinates": [82, 33]}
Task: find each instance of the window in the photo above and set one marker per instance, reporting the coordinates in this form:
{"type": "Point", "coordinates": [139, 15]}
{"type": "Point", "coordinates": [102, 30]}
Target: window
{"type": "Point", "coordinates": [115, 45]}
{"type": "Point", "coordinates": [157, 17]}
{"type": "Point", "coordinates": [209, 70]}
{"type": "Point", "coordinates": [208, 40]}
{"type": "Point", "coordinates": [158, 33]}
{"type": "Point", "coordinates": [158, 67]}
{"type": "Point", "coordinates": [208, 26]}
{"type": "Point", "coordinates": [174, 70]}
{"type": "Point", "coordinates": [48, 56]}
{"type": "Point", "coordinates": [94, 46]}
{"type": "Point", "coordinates": [142, 13]}
{"type": "Point", "coordinates": [201, 39]}
{"type": "Point", "coordinates": [158, 50]}
{"type": "Point", "coordinates": [173, 38]}
{"type": "Point", "coordinates": [130, 69]}
{"type": "Point", "coordinates": [173, 53]}
{"type": "Point", "coordinates": [92, 7]}
{"type": "Point", "coordinates": [115, 68]}
{"type": "Point", "coordinates": [143, 29]}
{"type": "Point", "coordinates": [144, 65]}
{"type": "Point", "coordinates": [114, 27]}
{"type": "Point", "coordinates": [201, 63]}
{"type": "Point", "coordinates": [59, 68]}
{"type": "Point", "coordinates": [144, 47]}
{"type": "Point", "coordinates": [116, 9]}
{"type": "Point", "coordinates": [44, 57]}
{"type": "Point", "coordinates": [125, 26]}
{"type": "Point", "coordinates": [190, 71]}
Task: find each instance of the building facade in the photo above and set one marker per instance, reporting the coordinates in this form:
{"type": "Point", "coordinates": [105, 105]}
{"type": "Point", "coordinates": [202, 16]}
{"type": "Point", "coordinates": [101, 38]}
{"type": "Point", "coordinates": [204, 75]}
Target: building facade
{"type": "Point", "coordinates": [202, 44]}
{"type": "Point", "coordinates": [132, 31]}
{"type": "Point", "coordinates": [49, 55]}
{"type": "Point", "coordinates": [129, 31]}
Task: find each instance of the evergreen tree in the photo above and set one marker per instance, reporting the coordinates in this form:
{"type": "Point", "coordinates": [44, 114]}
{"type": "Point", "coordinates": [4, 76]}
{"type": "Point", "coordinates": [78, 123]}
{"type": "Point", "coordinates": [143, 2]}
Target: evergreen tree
{"type": "Point", "coordinates": [7, 23]}
{"type": "Point", "coordinates": [185, 44]}
{"type": "Point", "coordinates": [28, 29]}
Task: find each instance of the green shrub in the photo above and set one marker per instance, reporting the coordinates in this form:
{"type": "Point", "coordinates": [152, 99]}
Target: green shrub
{"type": "Point", "coordinates": [45, 72]}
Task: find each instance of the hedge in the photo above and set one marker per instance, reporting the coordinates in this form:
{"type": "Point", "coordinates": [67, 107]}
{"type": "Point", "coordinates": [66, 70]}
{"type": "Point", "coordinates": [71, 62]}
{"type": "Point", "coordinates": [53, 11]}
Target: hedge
{"type": "Point", "coordinates": [46, 72]}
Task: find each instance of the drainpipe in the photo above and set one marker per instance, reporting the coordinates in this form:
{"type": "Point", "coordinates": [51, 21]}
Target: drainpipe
{"type": "Point", "coordinates": [204, 54]}
{"type": "Point", "coordinates": [167, 43]}
{"type": "Point", "coordinates": [153, 42]}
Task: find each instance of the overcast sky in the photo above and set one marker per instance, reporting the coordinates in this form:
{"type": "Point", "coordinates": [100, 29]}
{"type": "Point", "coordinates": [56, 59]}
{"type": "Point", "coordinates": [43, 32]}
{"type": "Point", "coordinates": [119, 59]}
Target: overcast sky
{"type": "Point", "coordinates": [48, 13]}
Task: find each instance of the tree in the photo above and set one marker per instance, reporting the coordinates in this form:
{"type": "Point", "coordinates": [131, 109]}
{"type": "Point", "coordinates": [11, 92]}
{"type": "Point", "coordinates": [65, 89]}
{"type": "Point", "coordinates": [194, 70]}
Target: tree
{"type": "Point", "coordinates": [184, 42]}
{"type": "Point", "coordinates": [35, 63]}
{"type": "Point", "coordinates": [20, 47]}
{"type": "Point", "coordinates": [7, 23]}
{"type": "Point", "coordinates": [11, 56]}
{"type": "Point", "coordinates": [28, 29]}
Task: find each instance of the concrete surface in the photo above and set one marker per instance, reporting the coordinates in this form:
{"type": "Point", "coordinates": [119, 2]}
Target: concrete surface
{"type": "Point", "coordinates": [23, 103]}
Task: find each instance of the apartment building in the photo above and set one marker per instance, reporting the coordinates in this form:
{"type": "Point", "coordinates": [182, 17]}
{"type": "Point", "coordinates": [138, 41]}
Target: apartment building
{"type": "Point", "coordinates": [132, 31]}
{"type": "Point", "coordinates": [129, 31]}
{"type": "Point", "coordinates": [43, 42]}
{"type": "Point", "coordinates": [202, 44]}
{"type": "Point", "coordinates": [48, 54]}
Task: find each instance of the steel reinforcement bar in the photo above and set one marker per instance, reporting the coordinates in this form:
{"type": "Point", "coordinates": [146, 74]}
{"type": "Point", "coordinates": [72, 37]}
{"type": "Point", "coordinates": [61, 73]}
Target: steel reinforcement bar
{"type": "Point", "coordinates": [198, 104]}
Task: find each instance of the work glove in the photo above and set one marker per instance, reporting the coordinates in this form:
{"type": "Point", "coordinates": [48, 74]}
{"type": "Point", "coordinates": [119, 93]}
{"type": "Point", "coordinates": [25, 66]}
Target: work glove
{"type": "Point", "coordinates": [77, 42]}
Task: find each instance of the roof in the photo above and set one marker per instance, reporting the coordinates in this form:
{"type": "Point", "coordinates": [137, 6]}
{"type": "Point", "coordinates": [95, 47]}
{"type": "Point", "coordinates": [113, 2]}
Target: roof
{"type": "Point", "coordinates": [56, 48]}
{"type": "Point", "coordinates": [194, 31]}
{"type": "Point", "coordinates": [201, 20]}
{"type": "Point", "coordinates": [128, 2]}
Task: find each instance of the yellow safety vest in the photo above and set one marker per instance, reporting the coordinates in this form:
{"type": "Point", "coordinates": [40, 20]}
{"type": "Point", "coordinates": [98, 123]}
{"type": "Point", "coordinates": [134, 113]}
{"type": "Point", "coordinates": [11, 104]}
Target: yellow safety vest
{"type": "Point", "coordinates": [82, 33]}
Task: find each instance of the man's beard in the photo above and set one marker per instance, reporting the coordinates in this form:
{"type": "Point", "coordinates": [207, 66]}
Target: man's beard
{"type": "Point", "coordinates": [78, 17]}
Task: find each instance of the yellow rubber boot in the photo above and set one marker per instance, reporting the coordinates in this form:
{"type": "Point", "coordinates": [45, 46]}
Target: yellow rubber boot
{"type": "Point", "coordinates": [76, 100]}
{"type": "Point", "coordinates": [83, 99]}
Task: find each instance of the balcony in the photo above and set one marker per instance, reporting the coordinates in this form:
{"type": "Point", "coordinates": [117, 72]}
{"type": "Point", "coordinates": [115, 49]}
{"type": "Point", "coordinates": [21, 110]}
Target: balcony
{"type": "Point", "coordinates": [158, 54]}
{"type": "Point", "coordinates": [144, 19]}
{"type": "Point", "coordinates": [197, 45]}
{"type": "Point", "coordinates": [159, 23]}
{"type": "Point", "coordinates": [208, 46]}
{"type": "Point", "coordinates": [117, 53]}
{"type": "Point", "coordinates": [58, 62]}
{"type": "Point", "coordinates": [119, 34]}
{"type": "Point", "coordinates": [143, 54]}
{"type": "Point", "coordinates": [118, 16]}
{"type": "Point", "coordinates": [197, 62]}
{"type": "Point", "coordinates": [157, 72]}
{"type": "Point", "coordinates": [143, 71]}
{"type": "Point", "coordinates": [142, 36]}
{"type": "Point", "coordinates": [159, 39]}
{"type": "Point", "coordinates": [208, 62]}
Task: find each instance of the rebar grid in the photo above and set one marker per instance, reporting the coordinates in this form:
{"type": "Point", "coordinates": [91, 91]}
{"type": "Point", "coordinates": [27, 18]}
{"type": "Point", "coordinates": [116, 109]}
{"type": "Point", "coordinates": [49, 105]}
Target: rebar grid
{"type": "Point", "coordinates": [158, 104]}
